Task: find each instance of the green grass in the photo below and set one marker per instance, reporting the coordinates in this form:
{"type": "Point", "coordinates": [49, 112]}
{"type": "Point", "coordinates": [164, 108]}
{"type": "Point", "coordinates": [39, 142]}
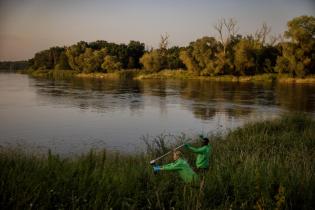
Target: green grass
{"type": "Point", "coordinates": [183, 74]}
{"type": "Point", "coordinates": [263, 165]}
{"type": "Point", "coordinates": [169, 74]}
{"type": "Point", "coordinates": [53, 74]}
{"type": "Point", "coordinates": [123, 74]}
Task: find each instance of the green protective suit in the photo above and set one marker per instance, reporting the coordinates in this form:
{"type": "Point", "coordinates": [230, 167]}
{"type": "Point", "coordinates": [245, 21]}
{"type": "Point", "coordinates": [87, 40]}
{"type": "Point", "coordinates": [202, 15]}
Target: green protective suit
{"type": "Point", "coordinates": [203, 155]}
{"type": "Point", "coordinates": [183, 169]}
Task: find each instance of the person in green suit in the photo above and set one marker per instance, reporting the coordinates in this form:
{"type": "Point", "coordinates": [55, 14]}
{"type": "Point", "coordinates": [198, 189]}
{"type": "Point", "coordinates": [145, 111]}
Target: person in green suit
{"type": "Point", "coordinates": [179, 165]}
{"type": "Point", "coordinates": [202, 160]}
{"type": "Point", "coordinates": [203, 154]}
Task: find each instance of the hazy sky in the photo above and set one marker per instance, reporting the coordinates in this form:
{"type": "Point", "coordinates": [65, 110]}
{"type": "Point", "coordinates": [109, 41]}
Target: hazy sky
{"type": "Point", "coordinates": [28, 26]}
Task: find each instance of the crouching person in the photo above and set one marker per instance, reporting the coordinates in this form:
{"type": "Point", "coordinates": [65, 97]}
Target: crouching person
{"type": "Point", "coordinates": [181, 166]}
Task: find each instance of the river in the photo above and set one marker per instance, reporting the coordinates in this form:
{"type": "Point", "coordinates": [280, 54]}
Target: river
{"type": "Point", "coordinates": [72, 116]}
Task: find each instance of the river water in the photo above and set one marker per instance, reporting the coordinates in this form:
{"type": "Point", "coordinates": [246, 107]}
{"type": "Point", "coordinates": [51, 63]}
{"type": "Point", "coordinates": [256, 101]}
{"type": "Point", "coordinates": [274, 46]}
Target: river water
{"type": "Point", "coordinates": [73, 116]}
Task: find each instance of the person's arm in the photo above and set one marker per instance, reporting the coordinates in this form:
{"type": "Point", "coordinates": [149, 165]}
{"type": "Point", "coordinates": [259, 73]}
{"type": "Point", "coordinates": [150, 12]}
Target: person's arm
{"type": "Point", "coordinates": [200, 150]}
{"type": "Point", "coordinates": [171, 166]}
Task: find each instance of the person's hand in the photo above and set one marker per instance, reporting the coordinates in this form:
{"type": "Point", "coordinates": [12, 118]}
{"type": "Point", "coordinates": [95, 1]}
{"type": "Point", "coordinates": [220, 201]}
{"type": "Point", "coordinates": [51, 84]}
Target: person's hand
{"type": "Point", "coordinates": [186, 146]}
{"type": "Point", "coordinates": [156, 168]}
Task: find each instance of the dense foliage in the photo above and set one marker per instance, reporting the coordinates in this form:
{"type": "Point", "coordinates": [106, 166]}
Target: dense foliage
{"type": "Point", "coordinates": [298, 56]}
{"type": "Point", "coordinates": [229, 54]}
{"type": "Point", "coordinates": [99, 56]}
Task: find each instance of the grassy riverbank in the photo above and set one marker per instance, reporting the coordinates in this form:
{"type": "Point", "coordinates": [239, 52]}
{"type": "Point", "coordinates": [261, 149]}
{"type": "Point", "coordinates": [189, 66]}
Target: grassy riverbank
{"type": "Point", "coordinates": [183, 74]}
{"type": "Point", "coordinates": [171, 74]}
{"type": "Point", "coordinates": [263, 165]}
{"type": "Point", "coordinates": [53, 74]}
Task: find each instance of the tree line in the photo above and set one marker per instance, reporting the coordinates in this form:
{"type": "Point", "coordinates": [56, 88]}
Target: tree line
{"type": "Point", "coordinates": [99, 56]}
{"type": "Point", "coordinates": [230, 53]}
{"type": "Point", "coordinates": [13, 65]}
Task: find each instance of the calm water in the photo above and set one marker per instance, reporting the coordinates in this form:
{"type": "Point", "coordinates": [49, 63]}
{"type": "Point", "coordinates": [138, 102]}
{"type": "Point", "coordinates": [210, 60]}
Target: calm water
{"type": "Point", "coordinates": [70, 117]}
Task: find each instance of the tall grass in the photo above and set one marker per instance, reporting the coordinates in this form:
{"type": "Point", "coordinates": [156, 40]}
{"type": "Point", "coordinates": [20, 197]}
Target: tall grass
{"type": "Point", "coordinates": [264, 165]}
{"type": "Point", "coordinates": [53, 74]}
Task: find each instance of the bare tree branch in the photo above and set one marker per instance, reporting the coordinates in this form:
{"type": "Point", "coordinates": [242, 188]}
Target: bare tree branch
{"type": "Point", "coordinates": [226, 29]}
{"type": "Point", "coordinates": [164, 41]}
{"type": "Point", "coordinates": [262, 33]}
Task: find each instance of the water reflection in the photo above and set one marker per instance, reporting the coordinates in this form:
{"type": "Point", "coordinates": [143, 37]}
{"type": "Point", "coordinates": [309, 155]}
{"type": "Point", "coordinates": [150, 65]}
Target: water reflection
{"type": "Point", "coordinates": [203, 98]}
{"type": "Point", "coordinates": [98, 95]}
{"type": "Point", "coordinates": [296, 97]}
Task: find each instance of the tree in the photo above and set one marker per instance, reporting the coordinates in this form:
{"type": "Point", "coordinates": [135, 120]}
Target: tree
{"type": "Point", "coordinates": [135, 52]}
{"type": "Point", "coordinates": [163, 45]}
{"type": "Point", "coordinates": [73, 52]}
{"type": "Point", "coordinates": [200, 56]}
{"type": "Point", "coordinates": [172, 58]}
{"type": "Point", "coordinates": [151, 61]}
{"type": "Point", "coordinates": [92, 60]}
{"type": "Point", "coordinates": [188, 60]}
{"type": "Point", "coordinates": [262, 33]}
{"type": "Point", "coordinates": [301, 29]}
{"type": "Point", "coordinates": [52, 58]}
{"type": "Point", "coordinates": [244, 60]}
{"type": "Point", "coordinates": [111, 64]}
{"type": "Point", "coordinates": [156, 60]}
{"type": "Point", "coordinates": [204, 52]}
{"type": "Point", "coordinates": [227, 29]}
{"type": "Point", "coordinates": [266, 59]}
{"type": "Point", "coordinates": [163, 51]}
{"type": "Point", "coordinates": [99, 44]}
{"type": "Point", "coordinates": [222, 63]}
{"type": "Point", "coordinates": [62, 62]}
{"type": "Point", "coordinates": [120, 51]}
{"type": "Point", "coordinates": [298, 56]}
{"type": "Point", "coordinates": [265, 53]}
{"type": "Point", "coordinates": [42, 60]}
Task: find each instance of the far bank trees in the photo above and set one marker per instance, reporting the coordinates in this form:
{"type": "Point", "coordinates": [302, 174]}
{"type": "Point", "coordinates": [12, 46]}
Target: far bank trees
{"type": "Point", "coordinates": [228, 53]}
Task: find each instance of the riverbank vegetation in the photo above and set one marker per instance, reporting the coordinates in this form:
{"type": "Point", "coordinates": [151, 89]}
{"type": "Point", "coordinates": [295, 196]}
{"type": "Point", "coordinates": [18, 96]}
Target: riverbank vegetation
{"type": "Point", "coordinates": [263, 165]}
{"type": "Point", "coordinates": [183, 74]}
{"type": "Point", "coordinates": [231, 53]}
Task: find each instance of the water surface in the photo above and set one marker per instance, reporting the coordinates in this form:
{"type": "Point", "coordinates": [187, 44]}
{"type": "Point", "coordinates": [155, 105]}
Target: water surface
{"type": "Point", "coordinates": [72, 116]}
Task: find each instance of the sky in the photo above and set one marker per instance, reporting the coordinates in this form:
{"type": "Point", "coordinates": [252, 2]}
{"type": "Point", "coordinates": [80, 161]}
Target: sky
{"type": "Point", "coordinates": [29, 26]}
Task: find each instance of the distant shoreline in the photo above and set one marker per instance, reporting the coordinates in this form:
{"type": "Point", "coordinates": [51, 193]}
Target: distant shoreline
{"type": "Point", "coordinates": [173, 74]}
{"type": "Point", "coordinates": [181, 74]}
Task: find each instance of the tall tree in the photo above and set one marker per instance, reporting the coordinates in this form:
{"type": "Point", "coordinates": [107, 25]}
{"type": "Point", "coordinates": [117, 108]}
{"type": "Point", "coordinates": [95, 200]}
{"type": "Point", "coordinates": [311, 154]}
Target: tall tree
{"type": "Point", "coordinates": [227, 30]}
{"type": "Point", "coordinates": [244, 60]}
{"type": "Point", "coordinates": [156, 60]}
{"type": "Point", "coordinates": [151, 61]}
{"type": "Point", "coordinates": [298, 56]}
{"type": "Point", "coordinates": [73, 52]}
{"type": "Point", "coordinates": [187, 58]}
{"type": "Point", "coordinates": [262, 33]}
{"type": "Point", "coordinates": [200, 56]}
{"type": "Point", "coordinates": [135, 52]}
{"type": "Point", "coordinates": [204, 52]}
